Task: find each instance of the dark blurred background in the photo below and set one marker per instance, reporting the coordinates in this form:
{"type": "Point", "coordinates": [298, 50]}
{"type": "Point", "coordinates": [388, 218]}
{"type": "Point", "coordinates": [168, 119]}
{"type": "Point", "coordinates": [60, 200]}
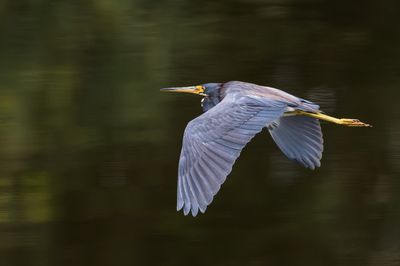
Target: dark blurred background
{"type": "Point", "coordinates": [89, 147]}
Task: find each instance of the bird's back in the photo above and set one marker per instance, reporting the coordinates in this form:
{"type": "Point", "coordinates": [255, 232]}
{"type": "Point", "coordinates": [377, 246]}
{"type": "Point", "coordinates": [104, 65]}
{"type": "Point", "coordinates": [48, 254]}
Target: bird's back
{"type": "Point", "coordinates": [251, 89]}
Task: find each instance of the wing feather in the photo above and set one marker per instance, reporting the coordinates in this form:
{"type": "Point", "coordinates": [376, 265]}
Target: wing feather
{"type": "Point", "coordinates": [213, 141]}
{"type": "Point", "coordinates": [300, 139]}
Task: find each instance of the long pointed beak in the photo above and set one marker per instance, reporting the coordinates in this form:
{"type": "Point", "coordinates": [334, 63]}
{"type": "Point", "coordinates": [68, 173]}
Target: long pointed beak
{"type": "Point", "coordinates": [190, 89]}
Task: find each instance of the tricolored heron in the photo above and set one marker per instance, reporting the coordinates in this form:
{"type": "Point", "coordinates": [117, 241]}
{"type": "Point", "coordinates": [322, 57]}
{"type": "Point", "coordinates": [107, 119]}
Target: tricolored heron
{"type": "Point", "coordinates": [234, 112]}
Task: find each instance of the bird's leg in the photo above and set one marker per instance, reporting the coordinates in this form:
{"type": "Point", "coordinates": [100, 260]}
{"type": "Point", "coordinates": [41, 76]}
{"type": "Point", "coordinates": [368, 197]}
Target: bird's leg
{"type": "Point", "coordinates": [340, 121]}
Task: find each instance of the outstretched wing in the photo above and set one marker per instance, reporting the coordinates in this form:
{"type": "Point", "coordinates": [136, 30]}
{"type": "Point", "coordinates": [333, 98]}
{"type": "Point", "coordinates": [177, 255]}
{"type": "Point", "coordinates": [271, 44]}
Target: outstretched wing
{"type": "Point", "coordinates": [213, 141]}
{"type": "Point", "coordinates": [300, 139]}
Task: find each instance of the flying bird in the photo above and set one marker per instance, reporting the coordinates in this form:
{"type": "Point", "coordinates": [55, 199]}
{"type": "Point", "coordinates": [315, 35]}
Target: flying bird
{"type": "Point", "coordinates": [234, 112]}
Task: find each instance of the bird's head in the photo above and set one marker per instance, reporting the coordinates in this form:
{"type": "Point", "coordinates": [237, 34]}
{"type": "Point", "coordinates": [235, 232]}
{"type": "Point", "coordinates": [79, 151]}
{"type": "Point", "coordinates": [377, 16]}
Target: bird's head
{"type": "Point", "coordinates": [207, 90]}
{"type": "Point", "coordinates": [210, 91]}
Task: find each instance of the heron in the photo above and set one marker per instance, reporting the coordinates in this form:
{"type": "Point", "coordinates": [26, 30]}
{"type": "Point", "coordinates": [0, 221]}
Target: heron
{"type": "Point", "coordinates": [233, 113]}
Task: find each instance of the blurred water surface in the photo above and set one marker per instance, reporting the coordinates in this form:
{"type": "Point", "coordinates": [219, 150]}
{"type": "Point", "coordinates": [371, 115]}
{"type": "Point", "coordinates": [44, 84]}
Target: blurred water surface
{"type": "Point", "coordinates": [89, 146]}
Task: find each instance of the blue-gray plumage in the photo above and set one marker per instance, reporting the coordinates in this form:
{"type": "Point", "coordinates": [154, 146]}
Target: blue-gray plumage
{"type": "Point", "coordinates": [234, 112]}
{"type": "Point", "coordinates": [300, 139]}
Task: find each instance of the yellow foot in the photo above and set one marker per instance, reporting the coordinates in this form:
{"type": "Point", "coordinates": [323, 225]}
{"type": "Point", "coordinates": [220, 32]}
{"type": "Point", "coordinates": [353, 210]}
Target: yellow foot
{"type": "Point", "coordinates": [352, 122]}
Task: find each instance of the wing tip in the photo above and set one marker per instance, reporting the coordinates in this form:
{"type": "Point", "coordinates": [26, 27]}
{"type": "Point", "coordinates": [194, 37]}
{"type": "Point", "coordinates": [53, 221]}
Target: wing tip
{"type": "Point", "coordinates": [307, 163]}
{"type": "Point", "coordinates": [194, 210]}
{"type": "Point", "coordinates": [179, 205]}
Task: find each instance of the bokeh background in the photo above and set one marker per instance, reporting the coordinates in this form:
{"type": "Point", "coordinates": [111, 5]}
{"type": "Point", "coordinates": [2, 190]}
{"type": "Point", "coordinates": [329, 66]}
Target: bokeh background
{"type": "Point", "coordinates": [89, 147]}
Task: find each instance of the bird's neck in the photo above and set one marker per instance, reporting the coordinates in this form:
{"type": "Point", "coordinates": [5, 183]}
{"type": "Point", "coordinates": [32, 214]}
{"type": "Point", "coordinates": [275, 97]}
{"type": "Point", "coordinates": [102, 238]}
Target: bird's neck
{"type": "Point", "coordinates": [209, 102]}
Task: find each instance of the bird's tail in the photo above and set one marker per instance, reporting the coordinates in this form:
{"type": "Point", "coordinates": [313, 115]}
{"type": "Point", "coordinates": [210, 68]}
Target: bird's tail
{"type": "Point", "coordinates": [308, 106]}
